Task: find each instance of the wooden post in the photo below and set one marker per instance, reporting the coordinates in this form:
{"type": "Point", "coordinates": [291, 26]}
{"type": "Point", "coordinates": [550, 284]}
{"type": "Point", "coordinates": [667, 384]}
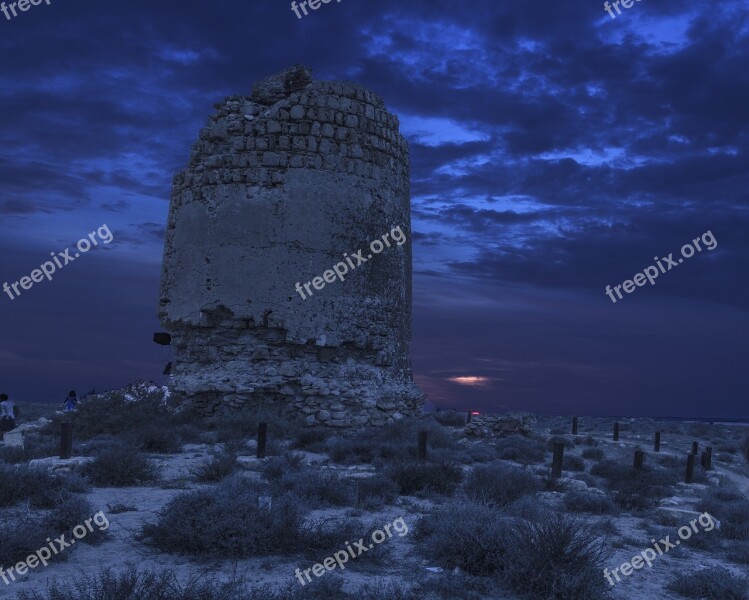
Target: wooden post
{"type": "Point", "coordinates": [616, 432]}
{"type": "Point", "coordinates": [468, 416]}
{"type": "Point", "coordinates": [695, 447]}
{"type": "Point", "coordinates": [574, 425]}
{"type": "Point", "coordinates": [558, 458]}
{"type": "Point", "coordinates": [422, 445]}
{"type": "Point", "coordinates": [262, 435]}
{"type": "Point", "coordinates": [706, 460]}
{"type": "Point", "coordinates": [690, 468]}
{"type": "Point", "coordinates": [657, 445]}
{"type": "Point", "coordinates": [639, 459]}
{"type": "Point", "coordinates": [66, 440]}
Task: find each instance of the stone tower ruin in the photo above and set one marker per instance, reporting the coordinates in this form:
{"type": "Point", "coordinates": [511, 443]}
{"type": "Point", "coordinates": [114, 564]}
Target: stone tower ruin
{"type": "Point", "coordinates": [280, 186]}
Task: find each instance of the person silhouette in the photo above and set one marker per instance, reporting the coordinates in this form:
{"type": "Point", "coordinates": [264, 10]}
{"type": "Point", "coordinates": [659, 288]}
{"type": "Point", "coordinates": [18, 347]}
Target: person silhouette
{"type": "Point", "coordinates": [71, 402]}
{"type": "Point", "coordinates": [8, 412]}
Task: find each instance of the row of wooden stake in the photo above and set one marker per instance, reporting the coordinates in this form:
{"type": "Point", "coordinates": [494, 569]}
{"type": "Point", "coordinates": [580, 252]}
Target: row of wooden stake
{"type": "Point", "coordinates": [706, 459]}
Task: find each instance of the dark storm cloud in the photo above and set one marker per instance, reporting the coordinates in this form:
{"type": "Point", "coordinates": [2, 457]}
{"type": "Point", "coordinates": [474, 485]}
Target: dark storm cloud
{"type": "Point", "coordinates": [553, 151]}
{"type": "Point", "coordinates": [17, 207]}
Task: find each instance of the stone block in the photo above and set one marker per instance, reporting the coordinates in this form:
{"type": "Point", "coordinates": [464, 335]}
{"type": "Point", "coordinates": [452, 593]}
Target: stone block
{"type": "Point", "coordinates": [271, 159]}
{"type": "Point", "coordinates": [13, 439]}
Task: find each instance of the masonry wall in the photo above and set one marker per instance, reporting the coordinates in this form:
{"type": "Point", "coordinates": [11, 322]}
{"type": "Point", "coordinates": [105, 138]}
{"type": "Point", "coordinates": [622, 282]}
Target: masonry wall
{"type": "Point", "coordinates": [279, 186]}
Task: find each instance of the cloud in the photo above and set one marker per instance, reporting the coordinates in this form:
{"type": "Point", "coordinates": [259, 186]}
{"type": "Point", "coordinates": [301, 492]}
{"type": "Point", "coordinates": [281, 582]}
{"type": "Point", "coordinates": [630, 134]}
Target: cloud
{"type": "Point", "coordinates": [17, 207]}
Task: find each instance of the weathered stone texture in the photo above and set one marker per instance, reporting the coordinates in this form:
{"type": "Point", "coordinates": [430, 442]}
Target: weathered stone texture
{"type": "Point", "coordinates": [511, 423]}
{"type": "Point", "coordinates": [279, 186]}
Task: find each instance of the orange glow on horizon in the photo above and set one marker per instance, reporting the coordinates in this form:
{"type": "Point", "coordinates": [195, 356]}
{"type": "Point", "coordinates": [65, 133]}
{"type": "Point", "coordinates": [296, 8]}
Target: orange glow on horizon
{"type": "Point", "coordinates": [469, 380]}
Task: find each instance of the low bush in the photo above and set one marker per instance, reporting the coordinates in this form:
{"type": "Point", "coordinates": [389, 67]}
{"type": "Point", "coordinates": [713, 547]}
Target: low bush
{"type": "Point", "coordinates": [570, 462]}
{"type": "Point", "coordinates": [556, 557]}
{"type": "Point", "coordinates": [413, 477]}
{"type": "Point", "coordinates": [325, 588]}
{"type": "Point", "coordinates": [276, 466]}
{"type": "Point", "coordinates": [589, 501]}
{"type": "Point", "coordinates": [232, 520]}
{"type": "Point", "coordinates": [12, 455]}
{"type": "Point", "coordinates": [311, 439]}
{"type": "Point", "coordinates": [71, 513]}
{"type": "Point", "coordinates": [393, 442]}
{"type": "Point", "coordinates": [35, 485]}
{"type": "Point", "coordinates": [118, 413]}
{"type": "Point", "coordinates": [530, 508]}
{"type": "Point", "coordinates": [587, 441]}
{"type": "Point", "coordinates": [726, 447]}
{"type": "Point", "coordinates": [356, 450]}
{"type": "Point", "coordinates": [119, 508]}
{"type": "Point", "coordinates": [745, 448]}
{"type": "Point", "coordinates": [35, 446]}
{"type": "Point", "coordinates": [499, 484]}
{"type": "Point", "coordinates": [453, 586]}
{"type": "Point", "coordinates": [672, 462]}
{"type": "Point", "coordinates": [317, 487]}
{"type": "Point", "coordinates": [715, 583]}
{"type": "Point", "coordinates": [21, 537]}
{"type": "Point", "coordinates": [467, 535]}
{"type": "Point", "coordinates": [321, 488]}
{"type": "Point", "coordinates": [382, 589]}
{"type": "Point", "coordinates": [700, 430]}
{"type": "Point", "coordinates": [635, 489]}
{"type": "Point", "coordinates": [325, 536]}
{"type": "Point", "coordinates": [478, 453]}
{"type": "Point", "coordinates": [220, 466]}
{"type": "Point", "coordinates": [593, 453]}
{"type": "Point", "coordinates": [568, 441]}
{"type": "Point", "coordinates": [551, 556]}
{"type": "Point", "coordinates": [120, 465]}
{"type": "Point", "coordinates": [240, 425]}
{"type": "Point", "coordinates": [144, 585]}
{"type": "Point", "coordinates": [731, 508]}
{"type": "Point", "coordinates": [521, 450]}
{"type": "Point", "coordinates": [154, 437]}
{"type": "Point", "coordinates": [707, 540]}
{"type": "Point", "coordinates": [373, 492]}
{"type": "Point", "coordinates": [165, 585]}
{"type": "Point", "coordinates": [738, 552]}
{"type": "Point", "coordinates": [467, 455]}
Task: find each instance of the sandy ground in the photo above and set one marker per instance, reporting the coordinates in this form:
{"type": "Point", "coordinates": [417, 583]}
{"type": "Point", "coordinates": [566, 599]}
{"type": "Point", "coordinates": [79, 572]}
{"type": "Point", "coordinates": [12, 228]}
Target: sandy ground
{"type": "Point", "coordinates": [122, 549]}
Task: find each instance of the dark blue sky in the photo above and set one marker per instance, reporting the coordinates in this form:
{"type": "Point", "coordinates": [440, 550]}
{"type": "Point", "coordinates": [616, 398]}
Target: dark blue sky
{"type": "Point", "coordinates": [554, 151]}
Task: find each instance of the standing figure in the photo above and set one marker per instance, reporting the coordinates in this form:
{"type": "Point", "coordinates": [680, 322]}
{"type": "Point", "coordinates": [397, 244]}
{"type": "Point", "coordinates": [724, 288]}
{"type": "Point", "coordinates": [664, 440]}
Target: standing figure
{"type": "Point", "coordinates": [71, 402]}
{"type": "Point", "coordinates": [8, 412]}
